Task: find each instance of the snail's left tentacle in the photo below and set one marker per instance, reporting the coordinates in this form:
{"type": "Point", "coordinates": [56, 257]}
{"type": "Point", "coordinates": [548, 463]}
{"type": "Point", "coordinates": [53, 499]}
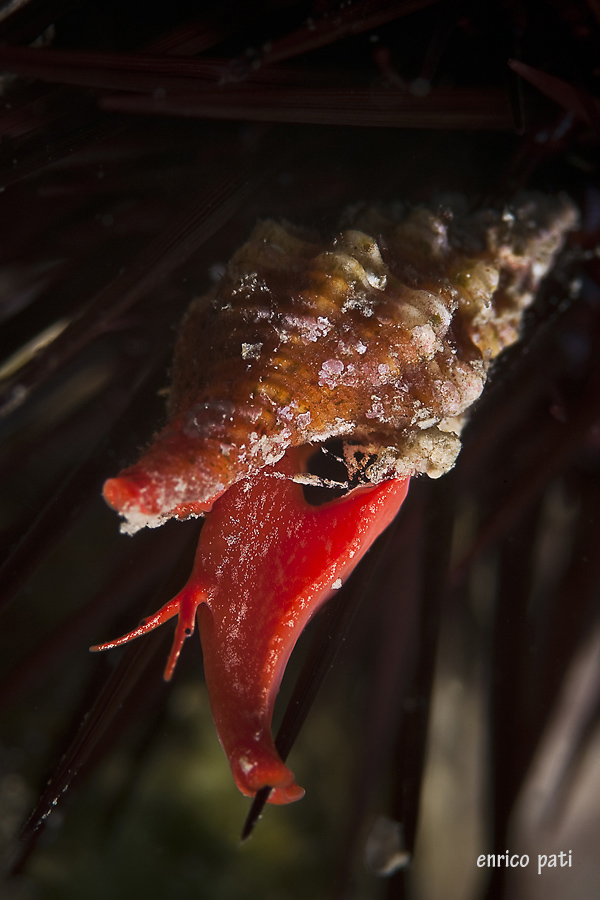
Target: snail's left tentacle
{"type": "Point", "coordinates": [183, 605]}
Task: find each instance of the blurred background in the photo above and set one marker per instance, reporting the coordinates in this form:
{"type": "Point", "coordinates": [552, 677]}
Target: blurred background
{"type": "Point", "coordinates": [138, 146]}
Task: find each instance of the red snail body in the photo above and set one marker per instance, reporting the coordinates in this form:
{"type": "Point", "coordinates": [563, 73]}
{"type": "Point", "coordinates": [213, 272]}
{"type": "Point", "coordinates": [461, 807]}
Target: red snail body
{"type": "Point", "coordinates": [382, 337]}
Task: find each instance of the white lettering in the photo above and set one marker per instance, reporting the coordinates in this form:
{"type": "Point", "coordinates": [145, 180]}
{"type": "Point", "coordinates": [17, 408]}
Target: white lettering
{"type": "Point", "coordinates": [505, 859]}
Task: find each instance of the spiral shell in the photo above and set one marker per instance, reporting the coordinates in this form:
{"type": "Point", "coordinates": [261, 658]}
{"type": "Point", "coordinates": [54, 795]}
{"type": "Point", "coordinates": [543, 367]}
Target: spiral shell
{"type": "Point", "coordinates": [382, 336]}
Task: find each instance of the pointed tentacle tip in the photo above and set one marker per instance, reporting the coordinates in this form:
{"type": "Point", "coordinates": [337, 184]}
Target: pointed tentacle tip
{"type": "Point", "coordinates": [143, 628]}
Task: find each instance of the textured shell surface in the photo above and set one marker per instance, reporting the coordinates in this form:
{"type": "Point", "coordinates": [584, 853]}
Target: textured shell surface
{"type": "Point", "coordinates": [382, 336]}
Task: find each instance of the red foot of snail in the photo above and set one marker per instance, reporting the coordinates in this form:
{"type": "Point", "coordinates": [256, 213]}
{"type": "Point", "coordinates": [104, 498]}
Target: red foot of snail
{"type": "Point", "coordinates": [381, 337]}
{"type": "Point", "coordinates": [266, 561]}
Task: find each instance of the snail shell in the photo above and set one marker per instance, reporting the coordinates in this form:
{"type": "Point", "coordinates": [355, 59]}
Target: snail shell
{"type": "Point", "coordinates": [382, 336]}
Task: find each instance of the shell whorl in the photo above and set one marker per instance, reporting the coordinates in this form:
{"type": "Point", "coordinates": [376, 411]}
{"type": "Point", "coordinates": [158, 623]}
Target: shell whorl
{"type": "Point", "coordinates": [382, 336]}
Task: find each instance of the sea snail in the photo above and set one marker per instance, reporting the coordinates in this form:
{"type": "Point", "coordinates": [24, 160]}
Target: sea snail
{"type": "Point", "coordinates": [381, 337]}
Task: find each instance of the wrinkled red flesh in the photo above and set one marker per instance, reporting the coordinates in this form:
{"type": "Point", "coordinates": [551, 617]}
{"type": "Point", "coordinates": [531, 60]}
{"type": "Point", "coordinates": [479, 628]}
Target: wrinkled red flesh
{"type": "Point", "coordinates": [266, 561]}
